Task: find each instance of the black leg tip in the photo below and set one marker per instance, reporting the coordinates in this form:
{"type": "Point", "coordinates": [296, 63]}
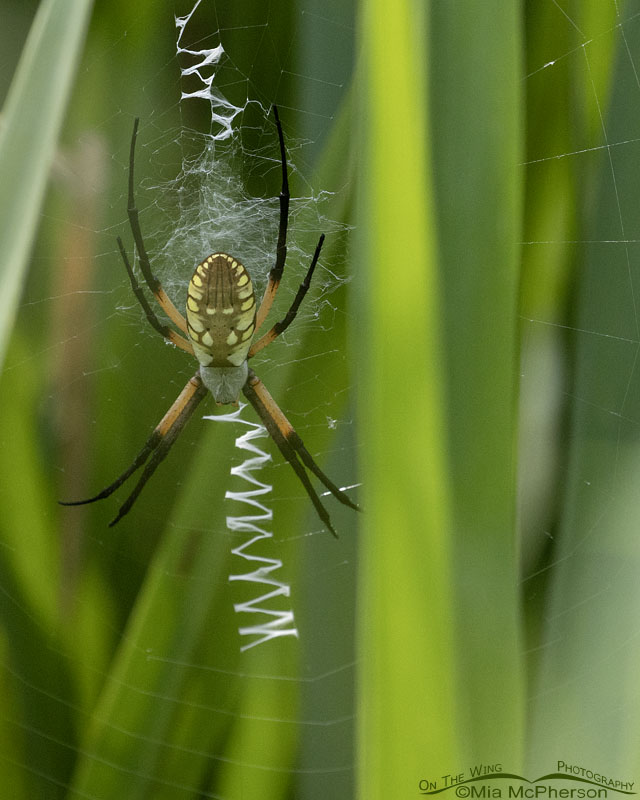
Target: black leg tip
{"type": "Point", "coordinates": [332, 530]}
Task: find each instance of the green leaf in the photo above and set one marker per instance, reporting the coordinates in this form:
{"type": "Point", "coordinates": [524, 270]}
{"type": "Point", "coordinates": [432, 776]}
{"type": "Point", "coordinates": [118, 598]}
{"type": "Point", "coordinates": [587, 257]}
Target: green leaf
{"type": "Point", "coordinates": [437, 296]}
{"type": "Point", "coordinates": [31, 124]}
{"type": "Point", "coordinates": [406, 698]}
{"type": "Point", "coordinates": [476, 119]}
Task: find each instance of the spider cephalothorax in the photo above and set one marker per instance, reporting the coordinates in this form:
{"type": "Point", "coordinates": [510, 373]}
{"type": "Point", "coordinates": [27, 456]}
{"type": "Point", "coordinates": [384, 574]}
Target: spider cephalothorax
{"type": "Point", "coordinates": [222, 320]}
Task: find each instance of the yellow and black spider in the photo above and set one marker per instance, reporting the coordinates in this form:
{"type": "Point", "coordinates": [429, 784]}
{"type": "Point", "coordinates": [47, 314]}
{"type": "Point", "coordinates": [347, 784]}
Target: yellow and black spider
{"type": "Point", "coordinates": [220, 326]}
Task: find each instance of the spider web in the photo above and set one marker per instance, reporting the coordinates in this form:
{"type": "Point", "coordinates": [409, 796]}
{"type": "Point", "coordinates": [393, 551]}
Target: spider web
{"type": "Point", "coordinates": [178, 572]}
{"type": "Point", "coordinates": [140, 646]}
{"type": "Point", "coordinates": [580, 395]}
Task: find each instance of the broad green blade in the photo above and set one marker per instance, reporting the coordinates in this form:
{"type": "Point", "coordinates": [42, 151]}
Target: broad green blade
{"type": "Point", "coordinates": [441, 671]}
{"type": "Point", "coordinates": [477, 115]}
{"type": "Point", "coordinates": [406, 694]}
{"type": "Point", "coordinates": [31, 123]}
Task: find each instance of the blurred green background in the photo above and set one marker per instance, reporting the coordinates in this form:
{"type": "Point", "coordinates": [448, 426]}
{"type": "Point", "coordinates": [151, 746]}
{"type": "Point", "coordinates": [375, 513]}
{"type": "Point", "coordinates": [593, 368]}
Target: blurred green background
{"type": "Point", "coordinates": [467, 359]}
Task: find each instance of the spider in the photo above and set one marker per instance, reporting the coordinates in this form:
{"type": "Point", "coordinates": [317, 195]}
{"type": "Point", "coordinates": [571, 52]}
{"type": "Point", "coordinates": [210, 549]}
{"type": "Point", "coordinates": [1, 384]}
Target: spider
{"type": "Point", "coordinates": [220, 327]}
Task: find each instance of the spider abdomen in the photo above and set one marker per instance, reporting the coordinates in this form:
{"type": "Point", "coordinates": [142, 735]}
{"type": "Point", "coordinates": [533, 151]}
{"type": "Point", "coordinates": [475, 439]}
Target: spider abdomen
{"type": "Point", "coordinates": [221, 312]}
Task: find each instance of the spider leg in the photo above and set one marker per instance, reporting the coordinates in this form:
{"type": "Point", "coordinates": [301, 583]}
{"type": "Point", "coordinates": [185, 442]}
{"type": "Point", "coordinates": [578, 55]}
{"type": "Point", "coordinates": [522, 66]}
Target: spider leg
{"type": "Point", "coordinates": [164, 330]}
{"type": "Point", "coordinates": [284, 323]}
{"type": "Point", "coordinates": [161, 451]}
{"type": "Point", "coordinates": [158, 444]}
{"type": "Point", "coordinates": [291, 446]}
{"type": "Point", "coordinates": [145, 265]}
{"type": "Point", "coordinates": [289, 454]}
{"type": "Point", "coordinates": [275, 275]}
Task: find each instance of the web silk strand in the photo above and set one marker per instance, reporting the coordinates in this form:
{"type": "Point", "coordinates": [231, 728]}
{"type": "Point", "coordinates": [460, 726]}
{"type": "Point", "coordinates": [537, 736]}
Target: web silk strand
{"type": "Point", "coordinates": [260, 569]}
{"type": "Point", "coordinates": [202, 69]}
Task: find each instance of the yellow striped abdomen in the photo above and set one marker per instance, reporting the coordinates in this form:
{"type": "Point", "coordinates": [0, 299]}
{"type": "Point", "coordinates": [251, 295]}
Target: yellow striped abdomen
{"type": "Point", "coordinates": [221, 311]}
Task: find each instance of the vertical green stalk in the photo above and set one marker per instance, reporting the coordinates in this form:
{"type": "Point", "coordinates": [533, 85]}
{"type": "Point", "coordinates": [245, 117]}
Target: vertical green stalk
{"type": "Point", "coordinates": [439, 231]}
{"type": "Point", "coordinates": [476, 57]}
{"type": "Point", "coordinates": [31, 122]}
{"type": "Point", "coordinates": [406, 694]}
